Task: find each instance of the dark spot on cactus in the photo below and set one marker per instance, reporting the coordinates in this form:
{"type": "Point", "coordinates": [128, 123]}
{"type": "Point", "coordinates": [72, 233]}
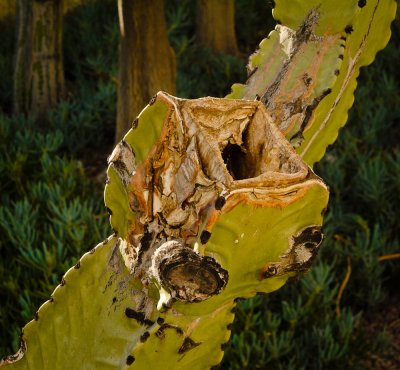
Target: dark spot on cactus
{"type": "Point", "coordinates": [62, 282]}
{"type": "Point", "coordinates": [160, 333]}
{"type": "Point", "coordinates": [135, 123]}
{"type": "Point", "coordinates": [153, 100]}
{"type": "Point", "coordinates": [229, 326]}
{"type": "Point", "coordinates": [144, 336]}
{"type": "Point", "coordinates": [257, 98]}
{"type": "Point", "coordinates": [51, 300]}
{"type": "Point", "coordinates": [308, 114]}
{"type": "Point", "coordinates": [115, 232]}
{"type": "Point", "coordinates": [160, 321]}
{"type": "Point", "coordinates": [36, 316]}
{"type": "Point", "coordinates": [341, 56]}
{"type": "Point", "coordinates": [251, 72]}
{"type": "Point", "coordinates": [219, 203]}
{"type": "Point", "coordinates": [205, 236]}
{"type": "Point", "coordinates": [348, 29]}
{"type": "Point", "coordinates": [109, 211]}
{"type": "Point", "coordinates": [343, 38]}
{"type": "Point", "coordinates": [138, 316]}
{"type": "Point", "coordinates": [94, 250]}
{"type": "Point", "coordinates": [269, 272]}
{"type": "Point", "coordinates": [278, 21]}
{"type": "Point", "coordinates": [78, 265]}
{"type": "Point", "coordinates": [114, 300]}
{"type": "Point", "coordinates": [224, 346]}
{"type": "Point", "coordinates": [130, 360]}
{"type": "Point", "coordinates": [307, 79]}
{"type": "Point", "coordinates": [362, 3]}
{"type": "Point", "coordinates": [187, 345]}
{"type": "Point", "coordinates": [179, 330]}
{"type": "Point", "coordinates": [310, 237]}
{"type": "Point", "coordinates": [145, 243]}
{"type": "Point", "coordinates": [337, 72]}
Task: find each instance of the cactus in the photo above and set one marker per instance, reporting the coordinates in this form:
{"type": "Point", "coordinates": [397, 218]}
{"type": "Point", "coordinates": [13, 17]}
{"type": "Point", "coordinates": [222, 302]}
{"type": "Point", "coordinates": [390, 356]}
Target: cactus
{"type": "Point", "coordinates": [306, 69]}
{"type": "Point", "coordinates": [210, 203]}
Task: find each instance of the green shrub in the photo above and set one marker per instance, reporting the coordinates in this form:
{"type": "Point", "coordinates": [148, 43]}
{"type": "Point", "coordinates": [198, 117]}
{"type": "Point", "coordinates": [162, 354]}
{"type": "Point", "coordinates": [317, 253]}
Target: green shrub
{"type": "Point", "coordinates": [50, 213]}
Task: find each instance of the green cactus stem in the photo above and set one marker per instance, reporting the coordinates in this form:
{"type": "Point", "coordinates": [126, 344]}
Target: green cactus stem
{"type": "Point", "coordinates": [306, 70]}
{"type": "Point", "coordinates": [210, 202]}
{"type": "Point", "coordinates": [216, 205]}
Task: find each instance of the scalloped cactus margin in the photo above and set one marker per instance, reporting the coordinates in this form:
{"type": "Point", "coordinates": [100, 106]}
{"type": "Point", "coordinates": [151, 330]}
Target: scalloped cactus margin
{"type": "Point", "coordinates": [306, 70]}
{"type": "Point", "coordinates": [213, 205]}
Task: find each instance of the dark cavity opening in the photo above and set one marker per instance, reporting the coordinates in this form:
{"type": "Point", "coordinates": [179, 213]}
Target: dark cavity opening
{"type": "Point", "coordinates": [234, 159]}
{"type": "Point", "coordinates": [238, 162]}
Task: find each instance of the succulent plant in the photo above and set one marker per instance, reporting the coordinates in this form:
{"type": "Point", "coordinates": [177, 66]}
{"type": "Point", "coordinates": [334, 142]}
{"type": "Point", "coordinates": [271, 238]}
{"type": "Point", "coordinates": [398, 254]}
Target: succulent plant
{"type": "Point", "coordinates": [210, 202]}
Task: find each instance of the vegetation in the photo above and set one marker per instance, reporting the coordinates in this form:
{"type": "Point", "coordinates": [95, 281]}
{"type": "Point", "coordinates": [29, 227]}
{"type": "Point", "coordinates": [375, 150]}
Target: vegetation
{"type": "Point", "coordinates": [51, 208]}
{"type": "Point", "coordinates": [146, 60]}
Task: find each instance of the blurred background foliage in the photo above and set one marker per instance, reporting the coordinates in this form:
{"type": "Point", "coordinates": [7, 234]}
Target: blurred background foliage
{"type": "Point", "coordinates": [52, 210]}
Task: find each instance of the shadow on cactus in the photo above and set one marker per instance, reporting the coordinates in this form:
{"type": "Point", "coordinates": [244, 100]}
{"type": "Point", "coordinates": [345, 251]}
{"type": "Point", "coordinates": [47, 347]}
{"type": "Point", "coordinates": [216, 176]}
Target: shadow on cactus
{"type": "Point", "coordinates": [210, 202]}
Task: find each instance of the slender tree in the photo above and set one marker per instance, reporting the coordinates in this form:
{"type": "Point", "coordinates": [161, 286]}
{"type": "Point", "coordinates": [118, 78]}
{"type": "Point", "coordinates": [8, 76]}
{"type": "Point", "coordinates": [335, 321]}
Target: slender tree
{"type": "Point", "coordinates": [146, 60]}
{"type": "Point", "coordinates": [215, 25]}
{"type": "Point", "coordinates": [8, 7]}
{"type": "Point", "coordinates": [39, 74]}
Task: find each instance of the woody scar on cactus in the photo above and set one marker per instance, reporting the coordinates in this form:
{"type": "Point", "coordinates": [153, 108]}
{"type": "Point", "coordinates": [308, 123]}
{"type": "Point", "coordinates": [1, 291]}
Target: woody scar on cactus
{"type": "Point", "coordinates": [211, 200]}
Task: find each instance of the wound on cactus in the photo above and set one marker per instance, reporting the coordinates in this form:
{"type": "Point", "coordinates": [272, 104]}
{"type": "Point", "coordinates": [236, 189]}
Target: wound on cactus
{"type": "Point", "coordinates": [210, 202]}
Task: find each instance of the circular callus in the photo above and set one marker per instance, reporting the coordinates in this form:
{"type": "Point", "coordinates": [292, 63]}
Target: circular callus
{"type": "Point", "coordinates": [187, 275]}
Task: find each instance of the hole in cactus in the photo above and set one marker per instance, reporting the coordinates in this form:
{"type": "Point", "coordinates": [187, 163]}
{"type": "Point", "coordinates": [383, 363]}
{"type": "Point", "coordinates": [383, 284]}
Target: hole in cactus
{"type": "Point", "coordinates": [251, 154]}
{"type": "Point", "coordinates": [234, 157]}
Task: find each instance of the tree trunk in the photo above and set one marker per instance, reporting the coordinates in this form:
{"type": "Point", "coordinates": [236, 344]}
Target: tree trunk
{"type": "Point", "coordinates": [39, 72]}
{"type": "Point", "coordinates": [215, 25]}
{"type": "Point", "coordinates": [7, 7]}
{"type": "Point", "coordinates": [146, 60]}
